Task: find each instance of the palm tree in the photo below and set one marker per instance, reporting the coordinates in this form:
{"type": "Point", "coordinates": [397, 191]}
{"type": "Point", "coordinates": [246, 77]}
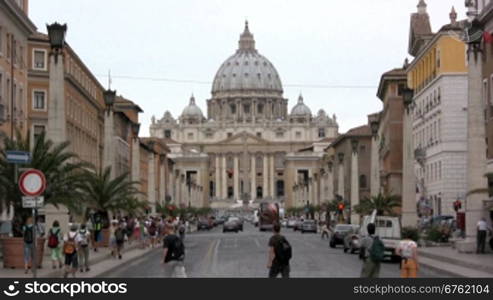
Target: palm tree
{"type": "Point", "coordinates": [61, 168]}
{"type": "Point", "coordinates": [384, 204]}
{"type": "Point", "coordinates": [108, 195]}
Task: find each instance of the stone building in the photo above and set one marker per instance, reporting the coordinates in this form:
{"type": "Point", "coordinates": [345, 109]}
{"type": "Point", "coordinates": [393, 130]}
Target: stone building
{"type": "Point", "coordinates": [239, 151]}
{"type": "Point", "coordinates": [15, 29]}
{"type": "Point", "coordinates": [350, 167]}
{"type": "Point", "coordinates": [438, 76]}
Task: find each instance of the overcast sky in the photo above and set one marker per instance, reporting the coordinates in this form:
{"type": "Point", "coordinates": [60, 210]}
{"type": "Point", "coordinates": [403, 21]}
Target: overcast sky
{"type": "Point", "coordinates": [317, 46]}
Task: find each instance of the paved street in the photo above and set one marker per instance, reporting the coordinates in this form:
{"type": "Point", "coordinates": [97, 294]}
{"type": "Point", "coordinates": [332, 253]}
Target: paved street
{"type": "Point", "coordinates": [217, 254]}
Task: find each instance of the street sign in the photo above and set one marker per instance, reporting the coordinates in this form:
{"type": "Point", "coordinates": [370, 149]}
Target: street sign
{"type": "Point", "coordinates": [32, 183]}
{"type": "Point", "coordinates": [18, 157]}
{"type": "Point", "coordinates": [33, 202]}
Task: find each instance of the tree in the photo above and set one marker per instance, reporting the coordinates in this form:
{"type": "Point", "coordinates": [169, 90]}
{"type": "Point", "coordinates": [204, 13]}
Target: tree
{"type": "Point", "coordinates": [108, 195]}
{"type": "Point", "coordinates": [384, 204]}
{"type": "Point", "coordinates": [61, 168]}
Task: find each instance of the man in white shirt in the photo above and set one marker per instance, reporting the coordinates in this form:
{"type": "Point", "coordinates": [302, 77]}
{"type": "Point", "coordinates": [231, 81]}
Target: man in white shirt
{"type": "Point", "coordinates": [481, 238]}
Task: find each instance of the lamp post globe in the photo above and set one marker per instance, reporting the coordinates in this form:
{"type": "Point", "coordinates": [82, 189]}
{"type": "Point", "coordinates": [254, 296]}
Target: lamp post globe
{"type": "Point", "coordinates": [109, 98]}
{"type": "Point", "coordinates": [56, 34]}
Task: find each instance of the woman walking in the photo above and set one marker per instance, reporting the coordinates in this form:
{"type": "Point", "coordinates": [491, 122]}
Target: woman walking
{"type": "Point", "coordinates": [55, 237]}
{"type": "Point", "coordinates": [408, 251]}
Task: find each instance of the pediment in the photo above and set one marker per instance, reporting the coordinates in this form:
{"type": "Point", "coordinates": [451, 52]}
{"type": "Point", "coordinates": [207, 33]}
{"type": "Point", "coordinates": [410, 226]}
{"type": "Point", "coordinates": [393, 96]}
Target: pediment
{"type": "Point", "coordinates": [244, 138]}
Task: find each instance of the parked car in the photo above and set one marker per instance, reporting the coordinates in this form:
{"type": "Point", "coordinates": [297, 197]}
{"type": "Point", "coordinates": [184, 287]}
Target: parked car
{"type": "Point", "coordinates": [232, 224]}
{"type": "Point", "coordinates": [340, 232]}
{"type": "Point", "coordinates": [309, 226]}
{"type": "Point", "coordinates": [291, 223]}
{"type": "Point", "coordinates": [352, 242]}
{"type": "Point", "coordinates": [297, 225]}
{"type": "Point", "coordinates": [204, 224]}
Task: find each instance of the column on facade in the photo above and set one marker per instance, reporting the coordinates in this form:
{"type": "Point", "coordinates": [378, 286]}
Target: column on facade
{"type": "Point", "coordinates": [477, 184]}
{"type": "Point", "coordinates": [323, 192]}
{"type": "Point", "coordinates": [340, 181]}
{"type": "Point", "coordinates": [135, 160]}
{"type": "Point", "coordinates": [224, 183]}
{"type": "Point", "coordinates": [236, 177]}
{"type": "Point", "coordinates": [162, 182]}
{"type": "Point", "coordinates": [330, 181]}
{"type": "Point", "coordinates": [375, 167]}
{"type": "Point", "coordinates": [173, 185]}
{"type": "Point", "coordinates": [108, 150]}
{"type": "Point", "coordinates": [151, 181]}
{"type": "Point", "coordinates": [265, 175]}
{"type": "Point", "coordinates": [272, 175]}
{"type": "Point", "coordinates": [316, 192]}
{"type": "Point", "coordinates": [355, 218]}
{"type": "Point", "coordinates": [253, 179]}
{"type": "Point", "coordinates": [184, 190]}
{"type": "Point", "coordinates": [217, 183]}
{"type": "Point", "coordinates": [409, 213]}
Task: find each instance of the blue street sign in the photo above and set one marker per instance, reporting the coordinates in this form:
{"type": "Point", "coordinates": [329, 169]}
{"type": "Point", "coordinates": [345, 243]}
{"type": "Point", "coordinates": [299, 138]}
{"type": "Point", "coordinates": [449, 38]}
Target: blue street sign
{"type": "Point", "coordinates": [18, 157]}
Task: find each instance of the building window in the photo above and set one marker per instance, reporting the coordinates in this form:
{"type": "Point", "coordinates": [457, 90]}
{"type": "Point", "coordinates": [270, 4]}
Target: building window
{"type": "Point", "coordinates": [190, 136]}
{"type": "Point", "coordinates": [39, 100]}
{"type": "Point", "coordinates": [321, 132]}
{"type": "Point", "coordinates": [39, 59]}
{"type": "Point", "coordinates": [233, 108]}
{"type": "Point", "coordinates": [246, 108]}
{"type": "Point", "coordinates": [279, 134]}
{"type": "Point", "coordinates": [259, 134]}
{"type": "Point", "coordinates": [209, 135]}
{"type": "Point", "coordinates": [260, 108]}
{"type": "Point", "coordinates": [167, 133]}
{"type": "Point", "coordinates": [37, 131]}
{"type": "Point", "coordinates": [298, 134]}
{"type": "Point", "coordinates": [230, 134]}
{"type": "Point", "coordinates": [362, 182]}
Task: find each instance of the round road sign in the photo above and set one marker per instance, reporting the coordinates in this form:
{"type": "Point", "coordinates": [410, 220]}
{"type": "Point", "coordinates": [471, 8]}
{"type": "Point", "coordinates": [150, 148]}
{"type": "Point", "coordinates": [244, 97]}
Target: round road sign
{"type": "Point", "coordinates": [32, 183]}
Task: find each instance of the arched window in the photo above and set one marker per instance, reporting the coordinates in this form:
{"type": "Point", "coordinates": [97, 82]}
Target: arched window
{"type": "Point", "coordinates": [362, 182]}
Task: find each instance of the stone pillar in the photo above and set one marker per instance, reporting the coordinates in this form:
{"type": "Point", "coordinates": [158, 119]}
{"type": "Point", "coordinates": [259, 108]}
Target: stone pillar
{"type": "Point", "coordinates": [310, 189]}
{"type": "Point", "coordinates": [253, 177]}
{"type": "Point", "coordinates": [224, 183]}
{"type": "Point", "coordinates": [340, 181]}
{"type": "Point", "coordinates": [162, 184]}
{"type": "Point", "coordinates": [135, 159]}
{"type": "Point", "coordinates": [409, 214]}
{"type": "Point", "coordinates": [173, 186]}
{"type": "Point", "coordinates": [184, 192]}
{"type": "Point", "coordinates": [355, 218]}
{"type": "Point", "coordinates": [323, 191]}
{"type": "Point", "coordinates": [217, 184]}
{"type": "Point", "coordinates": [477, 184]}
{"type": "Point", "coordinates": [151, 182]}
{"type": "Point", "coordinates": [316, 195]}
{"type": "Point", "coordinates": [375, 166]}
{"type": "Point", "coordinates": [109, 145]}
{"type": "Point", "coordinates": [272, 176]}
{"type": "Point", "coordinates": [236, 178]}
{"type": "Point", "coordinates": [56, 130]}
{"type": "Point", "coordinates": [265, 175]}
{"type": "Point", "coordinates": [330, 181]}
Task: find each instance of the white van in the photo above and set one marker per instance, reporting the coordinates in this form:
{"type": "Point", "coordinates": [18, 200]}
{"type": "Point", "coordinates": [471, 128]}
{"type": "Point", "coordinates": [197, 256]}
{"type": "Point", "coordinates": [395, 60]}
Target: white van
{"type": "Point", "coordinates": [388, 229]}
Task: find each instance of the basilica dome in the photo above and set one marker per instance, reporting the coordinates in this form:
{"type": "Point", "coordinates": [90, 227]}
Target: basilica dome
{"type": "Point", "coordinates": [192, 110]}
{"type": "Point", "coordinates": [247, 70]}
{"type": "Point", "coordinates": [301, 109]}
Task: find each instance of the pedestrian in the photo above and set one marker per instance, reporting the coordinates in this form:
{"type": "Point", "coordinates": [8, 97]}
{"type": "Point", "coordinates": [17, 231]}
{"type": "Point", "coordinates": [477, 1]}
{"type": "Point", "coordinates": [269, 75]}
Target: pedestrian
{"type": "Point", "coordinates": [181, 230]}
{"type": "Point", "coordinates": [482, 228]}
{"type": "Point", "coordinates": [280, 253]}
{"type": "Point", "coordinates": [173, 254]}
{"type": "Point", "coordinates": [119, 239]}
{"type": "Point", "coordinates": [152, 233]}
{"type": "Point", "coordinates": [112, 230]}
{"type": "Point", "coordinates": [28, 236]}
{"type": "Point", "coordinates": [408, 251]}
{"type": "Point", "coordinates": [70, 251]}
{"type": "Point", "coordinates": [97, 227]}
{"type": "Point", "coordinates": [130, 229]}
{"type": "Point", "coordinates": [83, 247]}
{"type": "Point", "coordinates": [372, 253]}
{"type": "Point", "coordinates": [55, 238]}
{"type": "Point", "coordinates": [187, 226]}
{"type": "Point", "coordinates": [325, 231]}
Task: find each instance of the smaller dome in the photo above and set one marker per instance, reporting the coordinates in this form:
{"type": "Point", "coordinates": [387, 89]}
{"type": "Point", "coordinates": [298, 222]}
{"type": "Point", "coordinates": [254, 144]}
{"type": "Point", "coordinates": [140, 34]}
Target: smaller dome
{"type": "Point", "coordinates": [192, 110]}
{"type": "Point", "coordinates": [300, 109]}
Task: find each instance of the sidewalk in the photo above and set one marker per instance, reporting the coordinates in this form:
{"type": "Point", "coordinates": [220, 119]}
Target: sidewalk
{"type": "Point", "coordinates": [100, 262]}
{"type": "Point", "coordinates": [448, 260]}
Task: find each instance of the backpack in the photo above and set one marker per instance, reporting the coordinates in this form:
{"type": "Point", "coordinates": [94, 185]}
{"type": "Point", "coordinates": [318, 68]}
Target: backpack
{"type": "Point", "coordinates": [119, 235]}
{"type": "Point", "coordinates": [283, 251]}
{"type": "Point", "coordinates": [28, 235]}
{"type": "Point", "coordinates": [84, 241]}
{"type": "Point", "coordinates": [53, 239]}
{"type": "Point", "coordinates": [178, 252]}
{"type": "Point", "coordinates": [69, 245]}
{"type": "Point", "coordinates": [377, 250]}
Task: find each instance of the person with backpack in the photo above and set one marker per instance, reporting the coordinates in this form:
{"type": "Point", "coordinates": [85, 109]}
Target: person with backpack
{"type": "Point", "coordinates": [28, 236]}
{"type": "Point", "coordinates": [83, 247]}
{"type": "Point", "coordinates": [280, 253]}
{"type": "Point", "coordinates": [70, 251]}
{"type": "Point", "coordinates": [55, 237]}
{"type": "Point", "coordinates": [173, 254]}
{"type": "Point", "coordinates": [372, 253]}
{"type": "Point", "coordinates": [182, 230]}
{"type": "Point", "coordinates": [408, 251]}
{"type": "Point", "coordinates": [119, 239]}
{"type": "Point", "coordinates": [97, 228]}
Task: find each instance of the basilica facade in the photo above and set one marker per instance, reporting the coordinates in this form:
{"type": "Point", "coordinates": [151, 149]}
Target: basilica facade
{"type": "Point", "coordinates": [248, 147]}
